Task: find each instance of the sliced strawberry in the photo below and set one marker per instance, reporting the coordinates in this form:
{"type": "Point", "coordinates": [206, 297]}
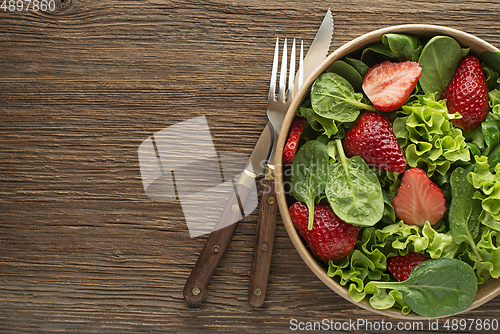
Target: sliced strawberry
{"type": "Point", "coordinates": [372, 138]}
{"type": "Point", "coordinates": [419, 199]}
{"type": "Point", "coordinates": [293, 140]}
{"type": "Point", "coordinates": [388, 85]}
{"type": "Point", "coordinates": [401, 266]}
{"type": "Point", "coordinates": [467, 94]}
{"type": "Point", "coordinates": [331, 238]}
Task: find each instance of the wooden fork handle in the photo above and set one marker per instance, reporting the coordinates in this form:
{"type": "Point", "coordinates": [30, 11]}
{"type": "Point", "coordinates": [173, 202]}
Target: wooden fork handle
{"type": "Point", "coordinates": [263, 247]}
{"type": "Point", "coordinates": [195, 290]}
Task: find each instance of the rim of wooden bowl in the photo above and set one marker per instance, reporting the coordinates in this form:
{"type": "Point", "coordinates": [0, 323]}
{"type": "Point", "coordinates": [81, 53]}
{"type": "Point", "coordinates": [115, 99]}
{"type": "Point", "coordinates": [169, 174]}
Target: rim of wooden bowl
{"type": "Point", "coordinates": [488, 290]}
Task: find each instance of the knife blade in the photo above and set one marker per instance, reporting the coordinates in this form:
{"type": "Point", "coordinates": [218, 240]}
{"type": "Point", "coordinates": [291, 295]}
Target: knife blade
{"type": "Point", "coordinates": [220, 238]}
{"type": "Point", "coordinates": [266, 224]}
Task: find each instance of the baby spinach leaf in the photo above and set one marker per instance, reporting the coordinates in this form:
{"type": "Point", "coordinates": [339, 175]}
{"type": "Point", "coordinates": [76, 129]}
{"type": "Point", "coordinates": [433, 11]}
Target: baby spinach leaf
{"type": "Point", "coordinates": [491, 59]}
{"type": "Point", "coordinates": [494, 157]}
{"type": "Point", "coordinates": [464, 210]}
{"type": "Point", "coordinates": [435, 288]}
{"type": "Point", "coordinates": [376, 53]}
{"type": "Point", "coordinates": [389, 216]}
{"type": "Point", "coordinates": [309, 174]}
{"type": "Point", "coordinates": [491, 133]}
{"type": "Point", "coordinates": [347, 72]}
{"type": "Point", "coordinates": [361, 67]}
{"type": "Point", "coordinates": [439, 60]}
{"type": "Point", "coordinates": [333, 97]}
{"type": "Point", "coordinates": [353, 190]}
{"type": "Point", "coordinates": [404, 47]}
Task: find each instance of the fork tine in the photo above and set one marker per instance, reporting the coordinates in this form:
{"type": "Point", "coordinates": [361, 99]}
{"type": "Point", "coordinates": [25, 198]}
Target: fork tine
{"type": "Point", "coordinates": [301, 65]}
{"type": "Point", "coordinates": [274, 74]}
{"type": "Point", "coordinates": [291, 73]}
{"type": "Point", "coordinates": [282, 87]}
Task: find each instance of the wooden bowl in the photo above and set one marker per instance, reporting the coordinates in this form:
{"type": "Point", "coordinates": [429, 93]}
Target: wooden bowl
{"type": "Point", "coordinates": [488, 290]}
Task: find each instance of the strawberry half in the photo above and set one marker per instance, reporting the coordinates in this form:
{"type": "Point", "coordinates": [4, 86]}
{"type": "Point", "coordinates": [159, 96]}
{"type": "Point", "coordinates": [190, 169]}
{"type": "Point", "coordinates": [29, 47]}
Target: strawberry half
{"type": "Point", "coordinates": [401, 266]}
{"type": "Point", "coordinates": [388, 85]}
{"type": "Point", "coordinates": [372, 138]}
{"type": "Point", "coordinates": [331, 238]}
{"type": "Point", "coordinates": [293, 140]}
{"type": "Point", "coordinates": [467, 94]}
{"type": "Point", "coordinates": [419, 199]}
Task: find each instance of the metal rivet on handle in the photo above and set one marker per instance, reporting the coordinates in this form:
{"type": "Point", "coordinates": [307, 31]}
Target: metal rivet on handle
{"type": "Point", "coordinates": [195, 291]}
{"type": "Point", "coordinates": [271, 200]}
{"type": "Point", "coordinates": [215, 249]}
{"type": "Point", "coordinates": [257, 292]}
{"type": "Point", "coordinates": [235, 208]}
{"type": "Point", "coordinates": [264, 247]}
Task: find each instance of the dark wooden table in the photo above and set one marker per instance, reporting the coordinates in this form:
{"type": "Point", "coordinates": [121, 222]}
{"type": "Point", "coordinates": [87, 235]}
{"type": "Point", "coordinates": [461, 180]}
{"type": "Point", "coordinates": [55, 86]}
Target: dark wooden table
{"type": "Point", "coordinates": [82, 248]}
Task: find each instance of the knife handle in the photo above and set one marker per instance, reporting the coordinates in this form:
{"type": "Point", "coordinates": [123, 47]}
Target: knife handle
{"type": "Point", "coordinates": [263, 247]}
{"type": "Point", "coordinates": [195, 290]}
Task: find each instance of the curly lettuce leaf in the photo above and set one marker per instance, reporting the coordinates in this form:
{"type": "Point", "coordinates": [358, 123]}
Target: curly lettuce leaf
{"type": "Point", "coordinates": [494, 96]}
{"type": "Point", "coordinates": [489, 185]}
{"type": "Point", "coordinates": [427, 136]}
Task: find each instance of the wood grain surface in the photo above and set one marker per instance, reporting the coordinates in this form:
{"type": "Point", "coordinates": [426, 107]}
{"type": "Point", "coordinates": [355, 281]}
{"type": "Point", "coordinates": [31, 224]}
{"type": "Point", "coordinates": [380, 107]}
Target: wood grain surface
{"type": "Point", "coordinates": [82, 248]}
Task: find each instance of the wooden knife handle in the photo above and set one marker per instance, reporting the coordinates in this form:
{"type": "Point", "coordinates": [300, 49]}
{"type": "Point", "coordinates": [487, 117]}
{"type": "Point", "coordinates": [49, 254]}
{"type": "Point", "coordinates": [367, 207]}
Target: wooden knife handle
{"type": "Point", "coordinates": [263, 247]}
{"type": "Point", "coordinates": [195, 290]}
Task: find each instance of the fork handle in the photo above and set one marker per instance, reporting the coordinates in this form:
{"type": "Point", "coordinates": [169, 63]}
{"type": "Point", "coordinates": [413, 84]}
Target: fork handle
{"type": "Point", "coordinates": [195, 289]}
{"type": "Point", "coordinates": [263, 246]}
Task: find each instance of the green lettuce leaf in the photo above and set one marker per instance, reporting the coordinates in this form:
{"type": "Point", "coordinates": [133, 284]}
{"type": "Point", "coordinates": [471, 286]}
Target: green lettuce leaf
{"type": "Point", "coordinates": [427, 136]}
{"type": "Point", "coordinates": [489, 185]}
{"type": "Point", "coordinates": [494, 96]}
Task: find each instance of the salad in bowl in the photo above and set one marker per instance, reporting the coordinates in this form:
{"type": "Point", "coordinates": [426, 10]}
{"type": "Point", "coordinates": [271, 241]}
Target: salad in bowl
{"type": "Point", "coordinates": [388, 171]}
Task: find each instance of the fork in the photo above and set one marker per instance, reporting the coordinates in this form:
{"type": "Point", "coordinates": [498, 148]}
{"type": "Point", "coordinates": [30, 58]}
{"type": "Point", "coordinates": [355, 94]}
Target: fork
{"type": "Point", "coordinates": [266, 225]}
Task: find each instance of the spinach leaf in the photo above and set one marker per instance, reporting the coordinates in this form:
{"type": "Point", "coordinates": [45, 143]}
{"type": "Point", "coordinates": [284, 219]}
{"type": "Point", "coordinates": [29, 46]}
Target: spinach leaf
{"type": "Point", "coordinates": [404, 47]}
{"type": "Point", "coordinates": [376, 54]}
{"type": "Point", "coordinates": [491, 133]}
{"type": "Point", "coordinates": [333, 97]}
{"type": "Point", "coordinates": [309, 174]}
{"type": "Point", "coordinates": [435, 288]}
{"type": "Point", "coordinates": [347, 72]}
{"type": "Point", "coordinates": [389, 216]}
{"type": "Point", "coordinates": [353, 190]}
{"type": "Point", "coordinates": [361, 67]}
{"type": "Point", "coordinates": [439, 60]}
{"type": "Point", "coordinates": [494, 157]}
{"type": "Point", "coordinates": [491, 59]}
{"type": "Point", "coordinates": [464, 210]}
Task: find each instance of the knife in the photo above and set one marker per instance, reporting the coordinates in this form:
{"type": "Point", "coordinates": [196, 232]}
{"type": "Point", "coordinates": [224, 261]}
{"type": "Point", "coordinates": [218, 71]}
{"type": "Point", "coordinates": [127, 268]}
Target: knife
{"type": "Point", "coordinates": [266, 224]}
{"type": "Point", "coordinates": [219, 240]}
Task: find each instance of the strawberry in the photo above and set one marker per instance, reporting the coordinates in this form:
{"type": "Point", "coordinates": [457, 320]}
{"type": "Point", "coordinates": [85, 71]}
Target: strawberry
{"type": "Point", "coordinates": [419, 199]}
{"type": "Point", "coordinates": [371, 137]}
{"type": "Point", "coordinates": [388, 85]}
{"type": "Point", "coordinates": [293, 139]}
{"type": "Point", "coordinates": [401, 266]}
{"type": "Point", "coordinates": [331, 238]}
{"type": "Point", "coordinates": [467, 94]}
